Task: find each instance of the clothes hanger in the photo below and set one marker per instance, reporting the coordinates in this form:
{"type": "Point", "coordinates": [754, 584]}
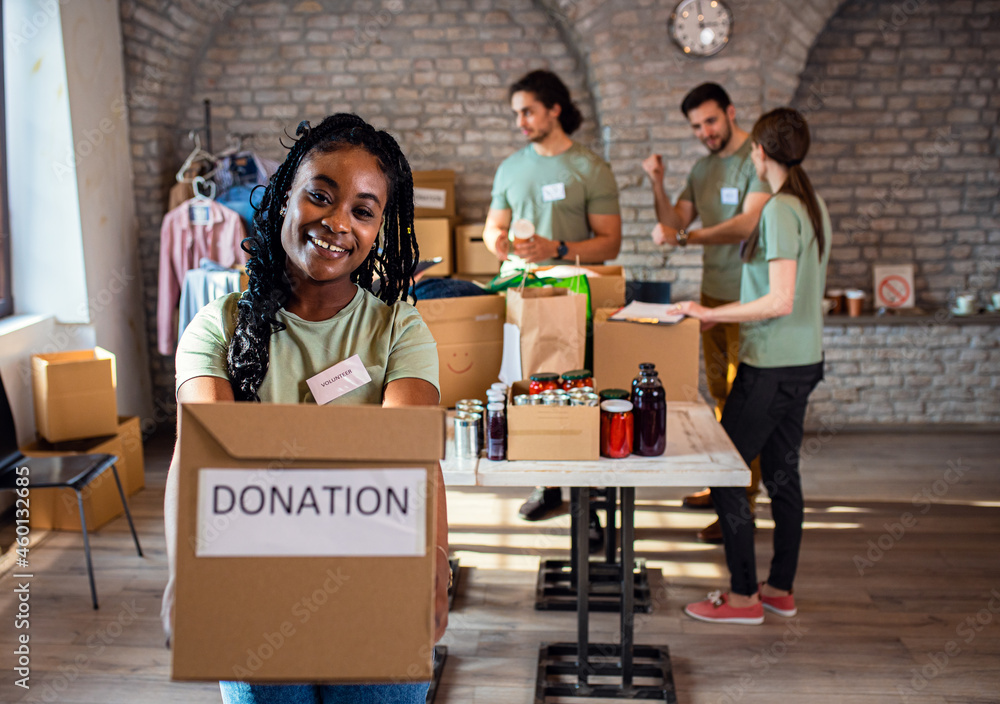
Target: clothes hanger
{"type": "Point", "coordinates": [199, 182]}
{"type": "Point", "coordinates": [197, 154]}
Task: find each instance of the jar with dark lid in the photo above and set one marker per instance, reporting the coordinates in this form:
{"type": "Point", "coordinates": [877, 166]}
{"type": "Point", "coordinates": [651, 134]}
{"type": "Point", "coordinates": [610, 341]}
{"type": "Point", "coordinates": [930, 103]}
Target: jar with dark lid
{"type": "Point", "coordinates": [614, 395]}
{"type": "Point", "coordinates": [577, 378]}
{"type": "Point", "coordinates": [650, 408]}
{"type": "Point", "coordinates": [543, 381]}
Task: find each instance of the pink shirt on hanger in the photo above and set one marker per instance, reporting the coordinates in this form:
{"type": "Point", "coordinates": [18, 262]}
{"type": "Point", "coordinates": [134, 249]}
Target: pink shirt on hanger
{"type": "Point", "coordinates": [182, 246]}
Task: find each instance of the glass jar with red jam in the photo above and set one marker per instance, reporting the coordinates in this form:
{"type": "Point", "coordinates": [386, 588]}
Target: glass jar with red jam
{"type": "Point", "coordinates": [543, 381]}
{"type": "Point", "coordinates": [576, 379]}
{"type": "Point", "coordinates": [616, 429]}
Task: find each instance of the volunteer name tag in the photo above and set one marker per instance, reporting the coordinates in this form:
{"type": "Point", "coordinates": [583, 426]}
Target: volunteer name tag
{"type": "Point", "coordinates": [553, 191]}
{"type": "Point", "coordinates": [338, 380]}
{"type": "Point", "coordinates": [311, 512]}
{"type": "Point", "coordinates": [730, 196]}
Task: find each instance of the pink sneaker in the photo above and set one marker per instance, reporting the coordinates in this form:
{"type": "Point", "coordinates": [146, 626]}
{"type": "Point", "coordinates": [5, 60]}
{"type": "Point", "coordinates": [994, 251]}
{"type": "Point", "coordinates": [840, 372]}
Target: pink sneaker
{"type": "Point", "coordinates": [781, 605]}
{"type": "Point", "coordinates": [716, 609]}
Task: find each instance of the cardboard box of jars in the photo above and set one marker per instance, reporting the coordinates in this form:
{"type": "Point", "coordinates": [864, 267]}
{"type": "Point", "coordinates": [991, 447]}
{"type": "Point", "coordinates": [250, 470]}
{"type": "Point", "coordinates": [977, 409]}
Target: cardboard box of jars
{"type": "Point", "coordinates": [573, 432]}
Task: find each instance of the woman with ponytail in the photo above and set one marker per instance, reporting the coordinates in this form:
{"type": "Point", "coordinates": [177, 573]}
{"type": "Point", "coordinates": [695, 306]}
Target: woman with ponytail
{"type": "Point", "coordinates": [781, 361]}
{"type": "Point", "coordinates": [335, 219]}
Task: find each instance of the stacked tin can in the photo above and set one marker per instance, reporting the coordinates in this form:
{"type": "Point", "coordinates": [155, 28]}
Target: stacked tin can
{"type": "Point", "coordinates": [469, 425]}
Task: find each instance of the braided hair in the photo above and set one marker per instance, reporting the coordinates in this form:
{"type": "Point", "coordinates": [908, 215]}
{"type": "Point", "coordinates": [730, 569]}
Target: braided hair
{"type": "Point", "coordinates": [269, 286]}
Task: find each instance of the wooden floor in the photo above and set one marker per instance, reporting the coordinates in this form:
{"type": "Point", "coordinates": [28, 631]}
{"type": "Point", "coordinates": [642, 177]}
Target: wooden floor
{"type": "Point", "coordinates": [888, 613]}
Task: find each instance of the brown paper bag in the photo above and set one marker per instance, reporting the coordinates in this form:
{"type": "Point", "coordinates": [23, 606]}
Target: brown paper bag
{"type": "Point", "coordinates": [553, 325]}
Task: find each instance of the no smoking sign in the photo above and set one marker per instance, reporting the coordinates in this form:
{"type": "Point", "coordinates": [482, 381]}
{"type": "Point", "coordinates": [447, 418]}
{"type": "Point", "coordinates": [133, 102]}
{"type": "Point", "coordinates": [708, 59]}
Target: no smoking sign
{"type": "Point", "coordinates": [894, 286]}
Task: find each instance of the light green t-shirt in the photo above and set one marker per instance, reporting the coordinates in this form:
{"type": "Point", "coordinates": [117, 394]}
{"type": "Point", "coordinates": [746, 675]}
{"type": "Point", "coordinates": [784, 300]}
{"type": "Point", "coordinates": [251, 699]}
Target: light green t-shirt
{"type": "Point", "coordinates": [717, 186]}
{"type": "Point", "coordinates": [555, 193]}
{"type": "Point", "coordinates": [393, 342]}
{"type": "Point", "coordinates": [795, 339]}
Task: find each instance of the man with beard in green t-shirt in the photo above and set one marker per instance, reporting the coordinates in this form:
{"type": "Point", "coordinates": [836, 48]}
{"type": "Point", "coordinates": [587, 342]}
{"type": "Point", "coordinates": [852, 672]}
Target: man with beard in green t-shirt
{"type": "Point", "coordinates": [724, 192]}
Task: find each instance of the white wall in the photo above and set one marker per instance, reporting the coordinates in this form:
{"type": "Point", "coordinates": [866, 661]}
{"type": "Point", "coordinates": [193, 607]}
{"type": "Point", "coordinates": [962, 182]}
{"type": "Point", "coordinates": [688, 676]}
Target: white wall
{"type": "Point", "coordinates": [98, 107]}
{"type": "Point", "coordinates": [74, 251]}
{"type": "Point", "coordinates": [46, 246]}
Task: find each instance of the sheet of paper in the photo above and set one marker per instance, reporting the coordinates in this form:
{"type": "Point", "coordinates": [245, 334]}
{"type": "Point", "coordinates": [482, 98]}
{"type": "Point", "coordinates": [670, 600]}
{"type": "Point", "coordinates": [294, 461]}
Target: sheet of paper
{"type": "Point", "coordinates": [510, 367]}
{"type": "Point", "coordinates": [311, 512]}
{"type": "Point", "coordinates": [652, 313]}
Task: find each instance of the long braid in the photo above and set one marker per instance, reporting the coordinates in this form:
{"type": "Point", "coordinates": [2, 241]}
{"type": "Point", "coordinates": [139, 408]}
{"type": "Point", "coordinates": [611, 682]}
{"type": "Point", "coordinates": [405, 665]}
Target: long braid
{"type": "Point", "coordinates": [269, 288]}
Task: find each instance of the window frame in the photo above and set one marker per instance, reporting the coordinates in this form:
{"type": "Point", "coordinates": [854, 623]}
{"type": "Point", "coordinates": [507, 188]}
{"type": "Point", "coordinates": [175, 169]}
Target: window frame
{"type": "Point", "coordinates": [6, 293]}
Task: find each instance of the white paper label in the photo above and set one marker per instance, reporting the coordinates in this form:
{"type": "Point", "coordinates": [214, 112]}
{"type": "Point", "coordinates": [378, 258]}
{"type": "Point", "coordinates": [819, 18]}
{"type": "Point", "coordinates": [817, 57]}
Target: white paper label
{"type": "Point", "coordinates": [429, 198]}
{"type": "Point", "coordinates": [311, 512]}
{"type": "Point", "coordinates": [338, 380]}
{"type": "Point", "coordinates": [730, 196]}
{"type": "Point", "coordinates": [200, 214]}
{"type": "Point", "coordinates": [553, 191]}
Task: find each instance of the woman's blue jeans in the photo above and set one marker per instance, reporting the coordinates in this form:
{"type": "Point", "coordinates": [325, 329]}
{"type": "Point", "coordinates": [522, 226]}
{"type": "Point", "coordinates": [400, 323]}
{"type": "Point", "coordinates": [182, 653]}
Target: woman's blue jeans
{"type": "Point", "coordinates": [244, 693]}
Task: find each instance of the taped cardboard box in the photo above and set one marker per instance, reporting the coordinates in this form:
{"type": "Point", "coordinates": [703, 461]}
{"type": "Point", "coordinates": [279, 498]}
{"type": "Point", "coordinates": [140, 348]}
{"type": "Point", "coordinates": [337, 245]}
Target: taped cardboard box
{"type": "Point", "coordinates": [74, 394]}
{"type": "Point", "coordinates": [434, 193]}
{"type": "Point", "coordinates": [471, 254]}
{"type": "Point", "coordinates": [620, 346]}
{"type": "Point", "coordinates": [551, 432]}
{"type": "Point", "coordinates": [132, 467]}
{"type": "Point", "coordinates": [469, 336]}
{"type": "Point", "coordinates": [306, 556]}
{"type": "Point", "coordinates": [434, 239]}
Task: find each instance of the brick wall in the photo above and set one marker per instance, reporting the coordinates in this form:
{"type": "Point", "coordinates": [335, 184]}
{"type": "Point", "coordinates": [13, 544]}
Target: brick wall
{"type": "Point", "coordinates": [906, 146]}
{"type": "Point", "coordinates": [435, 72]}
{"type": "Point", "coordinates": [938, 371]}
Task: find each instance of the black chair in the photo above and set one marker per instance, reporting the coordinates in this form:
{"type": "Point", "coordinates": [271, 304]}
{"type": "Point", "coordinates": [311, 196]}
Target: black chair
{"type": "Point", "coordinates": [69, 471]}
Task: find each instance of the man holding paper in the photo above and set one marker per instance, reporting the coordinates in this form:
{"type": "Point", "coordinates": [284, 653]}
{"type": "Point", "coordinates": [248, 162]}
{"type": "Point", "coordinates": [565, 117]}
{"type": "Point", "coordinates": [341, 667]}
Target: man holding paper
{"type": "Point", "coordinates": [723, 190]}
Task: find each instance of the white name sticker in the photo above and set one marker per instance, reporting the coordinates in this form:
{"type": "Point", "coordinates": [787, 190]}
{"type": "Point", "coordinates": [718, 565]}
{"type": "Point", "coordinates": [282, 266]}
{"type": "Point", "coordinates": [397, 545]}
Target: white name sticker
{"type": "Point", "coordinates": [429, 198]}
{"type": "Point", "coordinates": [200, 214]}
{"type": "Point", "coordinates": [338, 380]}
{"type": "Point", "coordinates": [553, 191]}
{"type": "Point", "coordinates": [730, 196]}
{"type": "Point", "coordinates": [311, 512]}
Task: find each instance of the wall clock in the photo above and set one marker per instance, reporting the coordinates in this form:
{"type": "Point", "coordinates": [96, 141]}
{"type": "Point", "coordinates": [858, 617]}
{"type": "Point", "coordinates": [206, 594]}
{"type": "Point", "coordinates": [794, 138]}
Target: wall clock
{"type": "Point", "coordinates": [701, 27]}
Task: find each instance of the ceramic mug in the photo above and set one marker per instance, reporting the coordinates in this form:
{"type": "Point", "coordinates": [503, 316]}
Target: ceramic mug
{"type": "Point", "coordinates": [855, 301]}
{"type": "Point", "coordinates": [965, 304]}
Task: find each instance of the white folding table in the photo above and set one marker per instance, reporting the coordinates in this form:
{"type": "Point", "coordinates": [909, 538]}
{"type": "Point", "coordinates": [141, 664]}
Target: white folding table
{"type": "Point", "coordinates": [699, 453]}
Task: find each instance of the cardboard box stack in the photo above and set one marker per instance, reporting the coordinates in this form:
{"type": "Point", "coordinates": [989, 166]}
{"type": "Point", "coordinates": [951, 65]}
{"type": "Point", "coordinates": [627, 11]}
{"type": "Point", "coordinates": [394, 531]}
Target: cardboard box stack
{"type": "Point", "coordinates": [434, 217]}
{"type": "Point", "coordinates": [76, 412]}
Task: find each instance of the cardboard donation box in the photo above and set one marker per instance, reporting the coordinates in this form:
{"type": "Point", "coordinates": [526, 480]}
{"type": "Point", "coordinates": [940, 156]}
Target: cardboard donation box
{"type": "Point", "coordinates": [434, 239]}
{"type": "Point", "coordinates": [57, 509]}
{"type": "Point", "coordinates": [306, 543]}
{"type": "Point", "coordinates": [620, 347]}
{"type": "Point", "coordinates": [434, 194]}
{"type": "Point", "coordinates": [469, 336]}
{"type": "Point", "coordinates": [552, 432]}
{"type": "Point", "coordinates": [74, 394]}
{"type": "Point", "coordinates": [471, 253]}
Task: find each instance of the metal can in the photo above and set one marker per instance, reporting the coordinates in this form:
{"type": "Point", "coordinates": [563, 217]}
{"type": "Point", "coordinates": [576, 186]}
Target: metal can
{"type": "Point", "coordinates": [481, 412]}
{"type": "Point", "coordinates": [467, 435]}
{"type": "Point", "coordinates": [522, 400]}
{"type": "Point", "coordinates": [468, 402]}
{"type": "Point", "coordinates": [555, 400]}
{"type": "Point", "coordinates": [585, 400]}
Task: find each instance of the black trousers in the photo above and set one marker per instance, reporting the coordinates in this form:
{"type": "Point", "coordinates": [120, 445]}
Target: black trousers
{"type": "Point", "coordinates": [763, 416]}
